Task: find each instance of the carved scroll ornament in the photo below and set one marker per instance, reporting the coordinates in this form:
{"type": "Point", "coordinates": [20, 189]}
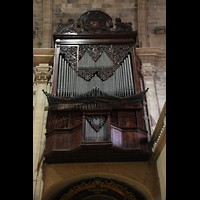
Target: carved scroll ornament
{"type": "Point", "coordinates": [95, 22]}
{"type": "Point", "coordinates": [98, 186]}
{"type": "Point", "coordinates": [66, 28]}
{"type": "Point", "coordinates": [122, 26]}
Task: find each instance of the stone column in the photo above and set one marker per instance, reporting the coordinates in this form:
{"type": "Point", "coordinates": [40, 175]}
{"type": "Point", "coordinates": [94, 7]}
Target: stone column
{"type": "Point", "coordinates": [148, 71]}
{"type": "Point", "coordinates": [42, 76]}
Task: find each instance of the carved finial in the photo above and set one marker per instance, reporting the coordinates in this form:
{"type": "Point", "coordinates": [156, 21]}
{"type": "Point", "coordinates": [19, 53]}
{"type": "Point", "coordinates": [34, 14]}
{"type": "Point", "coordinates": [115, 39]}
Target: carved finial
{"type": "Point", "coordinates": [66, 28]}
{"type": "Point", "coordinates": [42, 72]}
{"type": "Point", "coordinates": [122, 26]}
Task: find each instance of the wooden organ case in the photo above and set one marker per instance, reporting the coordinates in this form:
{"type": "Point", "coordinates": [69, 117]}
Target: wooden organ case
{"type": "Point", "coordinates": [97, 109]}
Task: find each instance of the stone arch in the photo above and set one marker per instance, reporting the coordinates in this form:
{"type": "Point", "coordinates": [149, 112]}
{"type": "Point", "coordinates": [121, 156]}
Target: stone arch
{"type": "Point", "coordinates": [59, 188]}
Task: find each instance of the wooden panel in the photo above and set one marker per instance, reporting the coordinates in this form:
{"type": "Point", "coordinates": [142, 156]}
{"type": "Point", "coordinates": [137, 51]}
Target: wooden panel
{"type": "Point", "coordinates": [76, 138]}
{"type": "Point", "coordinates": [143, 141]}
{"type": "Point", "coordinates": [60, 141]}
{"type": "Point", "coordinates": [114, 117]}
{"type": "Point", "coordinates": [71, 120]}
{"type": "Point", "coordinates": [96, 41]}
{"type": "Point", "coordinates": [50, 143]}
{"type": "Point", "coordinates": [140, 119]}
{"type": "Point", "coordinates": [67, 144]}
{"type": "Point", "coordinates": [120, 118]}
{"type": "Point", "coordinates": [129, 119]}
{"type": "Point", "coordinates": [132, 141]}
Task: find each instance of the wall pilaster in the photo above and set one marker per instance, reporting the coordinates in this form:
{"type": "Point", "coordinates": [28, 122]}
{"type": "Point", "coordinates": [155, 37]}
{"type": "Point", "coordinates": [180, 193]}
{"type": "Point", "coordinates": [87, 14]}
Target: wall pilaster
{"type": "Point", "coordinates": [42, 80]}
{"type": "Point", "coordinates": [148, 71]}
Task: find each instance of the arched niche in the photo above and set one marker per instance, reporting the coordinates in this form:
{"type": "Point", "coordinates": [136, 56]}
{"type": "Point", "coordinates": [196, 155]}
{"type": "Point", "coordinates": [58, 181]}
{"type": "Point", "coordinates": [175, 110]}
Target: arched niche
{"type": "Point", "coordinates": [138, 190]}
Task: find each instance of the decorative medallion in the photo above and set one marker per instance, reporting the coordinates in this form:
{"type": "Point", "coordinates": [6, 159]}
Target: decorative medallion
{"type": "Point", "coordinates": [96, 122]}
{"type": "Point", "coordinates": [95, 22]}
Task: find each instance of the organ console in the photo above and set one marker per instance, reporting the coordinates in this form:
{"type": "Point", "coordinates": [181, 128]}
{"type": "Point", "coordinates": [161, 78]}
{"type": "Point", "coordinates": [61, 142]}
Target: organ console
{"type": "Point", "coordinates": [97, 109]}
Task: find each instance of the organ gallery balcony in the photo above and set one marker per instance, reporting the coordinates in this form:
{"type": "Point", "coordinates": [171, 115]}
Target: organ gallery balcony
{"type": "Point", "coordinates": [97, 132]}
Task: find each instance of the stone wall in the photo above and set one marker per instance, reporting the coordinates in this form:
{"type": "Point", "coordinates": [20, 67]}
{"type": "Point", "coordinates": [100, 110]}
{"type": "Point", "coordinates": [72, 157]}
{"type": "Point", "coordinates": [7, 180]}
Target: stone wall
{"type": "Point", "coordinates": [63, 10]}
{"type": "Point", "coordinates": [147, 17]}
{"type": "Point", "coordinates": [37, 23]}
{"type": "Point", "coordinates": [156, 23]}
{"type": "Point", "coordinates": [138, 175]}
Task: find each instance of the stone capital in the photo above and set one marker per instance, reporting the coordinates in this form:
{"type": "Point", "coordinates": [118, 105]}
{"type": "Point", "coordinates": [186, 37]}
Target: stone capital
{"type": "Point", "coordinates": [148, 70]}
{"type": "Point", "coordinates": [42, 73]}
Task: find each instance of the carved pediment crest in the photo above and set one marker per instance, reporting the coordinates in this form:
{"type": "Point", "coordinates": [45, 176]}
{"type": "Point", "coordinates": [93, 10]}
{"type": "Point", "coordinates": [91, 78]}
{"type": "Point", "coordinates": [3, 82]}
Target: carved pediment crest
{"type": "Point", "coordinates": [95, 22]}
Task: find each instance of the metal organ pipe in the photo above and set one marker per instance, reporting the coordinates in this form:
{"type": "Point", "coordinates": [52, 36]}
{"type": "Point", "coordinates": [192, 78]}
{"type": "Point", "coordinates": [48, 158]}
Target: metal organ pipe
{"type": "Point", "coordinates": [130, 71]}
{"type": "Point", "coordinates": [64, 78]}
{"type": "Point", "coordinates": [67, 79]}
{"type": "Point", "coordinates": [127, 78]}
{"type": "Point", "coordinates": [61, 81]}
{"type": "Point", "coordinates": [71, 85]}
{"type": "Point", "coordinates": [120, 81]}
{"type": "Point", "coordinates": [59, 75]}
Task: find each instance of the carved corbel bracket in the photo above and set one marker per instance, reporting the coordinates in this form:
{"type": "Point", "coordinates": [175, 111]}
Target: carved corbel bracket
{"type": "Point", "coordinates": [148, 70]}
{"type": "Point", "coordinates": [42, 73]}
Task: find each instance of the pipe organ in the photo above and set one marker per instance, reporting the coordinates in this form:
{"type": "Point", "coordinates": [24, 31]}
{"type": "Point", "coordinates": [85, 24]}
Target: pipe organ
{"type": "Point", "coordinates": [72, 83]}
{"type": "Point", "coordinates": [97, 107]}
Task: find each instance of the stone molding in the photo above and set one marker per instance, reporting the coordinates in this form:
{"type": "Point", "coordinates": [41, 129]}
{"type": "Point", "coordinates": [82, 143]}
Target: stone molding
{"type": "Point", "coordinates": [42, 55]}
{"type": "Point", "coordinates": [151, 55]}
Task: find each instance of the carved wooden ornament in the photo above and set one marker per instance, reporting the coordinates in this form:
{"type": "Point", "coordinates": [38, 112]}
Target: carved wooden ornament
{"type": "Point", "coordinates": [98, 186]}
{"type": "Point", "coordinates": [96, 122]}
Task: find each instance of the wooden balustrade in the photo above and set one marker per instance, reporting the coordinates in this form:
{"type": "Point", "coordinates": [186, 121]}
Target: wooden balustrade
{"type": "Point", "coordinates": [159, 129]}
